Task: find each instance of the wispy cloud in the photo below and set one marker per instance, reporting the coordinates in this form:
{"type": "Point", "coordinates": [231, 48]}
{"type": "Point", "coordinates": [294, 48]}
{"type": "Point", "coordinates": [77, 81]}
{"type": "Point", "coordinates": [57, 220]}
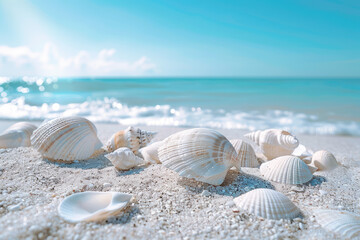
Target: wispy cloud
{"type": "Point", "coordinates": [18, 61]}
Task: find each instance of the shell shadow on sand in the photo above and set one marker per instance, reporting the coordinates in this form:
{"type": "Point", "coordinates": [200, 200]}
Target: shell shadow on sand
{"type": "Point", "coordinates": [136, 170]}
{"type": "Point", "coordinates": [99, 162]}
{"type": "Point", "coordinates": [124, 217]}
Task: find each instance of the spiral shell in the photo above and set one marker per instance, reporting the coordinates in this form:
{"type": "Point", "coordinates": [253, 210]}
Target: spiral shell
{"type": "Point", "coordinates": [124, 159]}
{"type": "Point", "coordinates": [324, 160]}
{"type": "Point", "coordinates": [267, 203]}
{"type": "Point", "coordinates": [199, 153]}
{"type": "Point", "coordinates": [17, 135]}
{"type": "Point", "coordinates": [150, 153]}
{"type": "Point", "coordinates": [66, 139]}
{"type": "Point", "coordinates": [274, 142]}
{"type": "Point", "coordinates": [246, 154]}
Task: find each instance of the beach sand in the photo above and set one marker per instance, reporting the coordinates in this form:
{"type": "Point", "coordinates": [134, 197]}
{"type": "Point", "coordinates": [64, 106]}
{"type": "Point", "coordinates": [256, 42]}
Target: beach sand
{"type": "Point", "coordinates": [167, 206]}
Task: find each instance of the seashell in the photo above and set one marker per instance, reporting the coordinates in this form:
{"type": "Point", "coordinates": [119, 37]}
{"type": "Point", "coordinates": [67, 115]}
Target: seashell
{"type": "Point", "coordinates": [17, 135]}
{"type": "Point", "coordinates": [246, 154]}
{"type": "Point", "coordinates": [274, 142]}
{"type": "Point", "coordinates": [133, 138]}
{"type": "Point", "coordinates": [93, 206]}
{"type": "Point", "coordinates": [150, 153]}
{"type": "Point", "coordinates": [199, 153]}
{"type": "Point", "coordinates": [287, 170]}
{"type": "Point", "coordinates": [344, 223]}
{"type": "Point", "coordinates": [303, 153]}
{"type": "Point", "coordinates": [324, 160]}
{"type": "Point", "coordinates": [312, 168]}
{"type": "Point", "coordinates": [124, 159]}
{"type": "Point", "coordinates": [67, 139]}
{"type": "Point", "coordinates": [267, 203]}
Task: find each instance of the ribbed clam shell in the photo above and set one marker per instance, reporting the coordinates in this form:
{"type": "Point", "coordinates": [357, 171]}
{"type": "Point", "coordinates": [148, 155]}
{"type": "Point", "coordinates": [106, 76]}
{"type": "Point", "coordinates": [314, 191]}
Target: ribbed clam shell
{"type": "Point", "coordinates": [274, 142]}
{"type": "Point", "coordinates": [246, 153]}
{"type": "Point", "coordinates": [287, 170]}
{"type": "Point", "coordinates": [199, 153]}
{"type": "Point", "coordinates": [66, 139]}
{"type": "Point", "coordinates": [17, 135]}
{"type": "Point", "coordinates": [267, 203]}
{"type": "Point", "coordinates": [93, 206]}
{"type": "Point", "coordinates": [150, 152]}
{"type": "Point", "coordinates": [344, 223]}
{"type": "Point", "coordinates": [133, 138]}
{"type": "Point", "coordinates": [303, 153]}
{"type": "Point", "coordinates": [124, 159]}
{"type": "Point", "coordinates": [324, 160]}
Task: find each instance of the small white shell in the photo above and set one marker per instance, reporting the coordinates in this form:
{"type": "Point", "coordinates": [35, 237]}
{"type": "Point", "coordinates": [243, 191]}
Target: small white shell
{"type": "Point", "coordinates": [324, 160]}
{"type": "Point", "coordinates": [133, 138]}
{"type": "Point", "coordinates": [124, 159]}
{"type": "Point", "coordinates": [303, 153]}
{"type": "Point", "coordinates": [199, 153]}
{"type": "Point", "coordinates": [150, 153]}
{"type": "Point", "coordinates": [66, 139]}
{"type": "Point", "coordinates": [312, 168]}
{"type": "Point", "coordinates": [274, 142]}
{"type": "Point", "coordinates": [287, 170]}
{"type": "Point", "coordinates": [246, 154]}
{"type": "Point", "coordinates": [344, 223]}
{"type": "Point", "coordinates": [17, 135]}
{"type": "Point", "coordinates": [93, 206]}
{"type": "Point", "coordinates": [267, 203]}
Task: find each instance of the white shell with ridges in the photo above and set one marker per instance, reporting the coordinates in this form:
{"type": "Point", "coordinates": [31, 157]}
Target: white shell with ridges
{"type": "Point", "coordinates": [324, 160]}
{"type": "Point", "coordinates": [66, 139]}
{"type": "Point", "coordinates": [267, 203]}
{"type": "Point", "coordinates": [17, 135]}
{"type": "Point", "coordinates": [246, 153]}
{"type": "Point", "coordinates": [199, 153]}
{"type": "Point", "coordinates": [274, 142]}
{"type": "Point", "coordinates": [344, 223]}
{"type": "Point", "coordinates": [124, 159]}
{"type": "Point", "coordinates": [150, 152]}
{"type": "Point", "coordinates": [93, 206]}
{"type": "Point", "coordinates": [287, 170]}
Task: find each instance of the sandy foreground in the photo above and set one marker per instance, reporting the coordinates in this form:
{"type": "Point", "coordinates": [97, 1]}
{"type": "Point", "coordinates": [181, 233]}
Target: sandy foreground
{"type": "Point", "coordinates": [167, 206]}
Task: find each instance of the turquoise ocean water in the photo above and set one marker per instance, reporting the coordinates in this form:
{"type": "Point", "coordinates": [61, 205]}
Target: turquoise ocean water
{"type": "Point", "coordinates": [314, 106]}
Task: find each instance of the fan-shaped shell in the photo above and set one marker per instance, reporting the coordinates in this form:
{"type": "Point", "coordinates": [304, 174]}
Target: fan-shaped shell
{"type": "Point", "coordinates": [93, 206]}
{"type": "Point", "coordinates": [344, 223]}
{"type": "Point", "coordinates": [17, 135]}
{"type": "Point", "coordinates": [287, 170]}
{"type": "Point", "coordinates": [274, 142]}
{"type": "Point", "coordinates": [246, 153]}
{"type": "Point", "coordinates": [150, 153]}
{"type": "Point", "coordinates": [124, 159]}
{"type": "Point", "coordinates": [66, 139]}
{"type": "Point", "coordinates": [324, 160]}
{"type": "Point", "coordinates": [133, 138]}
{"type": "Point", "coordinates": [267, 203]}
{"type": "Point", "coordinates": [199, 153]}
{"type": "Point", "coordinates": [303, 153]}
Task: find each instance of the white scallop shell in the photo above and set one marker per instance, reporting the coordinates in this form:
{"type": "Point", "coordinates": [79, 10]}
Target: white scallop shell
{"type": "Point", "coordinates": [93, 206]}
{"type": "Point", "coordinates": [324, 160]}
{"type": "Point", "coordinates": [267, 203]}
{"type": "Point", "coordinates": [133, 138]}
{"type": "Point", "coordinates": [150, 152]}
{"type": "Point", "coordinates": [344, 223]}
{"type": "Point", "coordinates": [303, 153]}
{"type": "Point", "coordinates": [17, 135]}
{"type": "Point", "coordinates": [199, 153]}
{"type": "Point", "coordinates": [274, 142]}
{"type": "Point", "coordinates": [246, 154]}
{"type": "Point", "coordinates": [124, 159]}
{"type": "Point", "coordinates": [66, 139]}
{"type": "Point", "coordinates": [287, 170]}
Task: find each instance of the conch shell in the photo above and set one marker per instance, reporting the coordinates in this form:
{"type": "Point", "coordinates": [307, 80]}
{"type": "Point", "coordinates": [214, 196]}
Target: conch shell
{"type": "Point", "coordinates": [246, 153]}
{"type": "Point", "coordinates": [274, 142]}
{"type": "Point", "coordinates": [124, 159]}
{"type": "Point", "coordinates": [17, 135]}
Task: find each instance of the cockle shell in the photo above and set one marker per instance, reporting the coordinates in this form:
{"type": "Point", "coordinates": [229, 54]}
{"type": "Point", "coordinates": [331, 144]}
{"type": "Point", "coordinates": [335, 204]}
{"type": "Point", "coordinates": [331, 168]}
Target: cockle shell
{"type": "Point", "coordinates": [17, 135]}
{"type": "Point", "coordinates": [66, 139]}
{"type": "Point", "coordinates": [133, 138]}
{"type": "Point", "coordinates": [344, 223]}
{"type": "Point", "coordinates": [199, 153]}
{"type": "Point", "coordinates": [287, 170]}
{"type": "Point", "coordinates": [274, 142]}
{"type": "Point", "coordinates": [93, 206]}
{"type": "Point", "coordinates": [267, 203]}
{"type": "Point", "coordinates": [124, 159]}
{"type": "Point", "coordinates": [150, 152]}
{"type": "Point", "coordinates": [324, 160]}
{"type": "Point", "coordinates": [246, 154]}
{"type": "Point", "coordinates": [303, 153]}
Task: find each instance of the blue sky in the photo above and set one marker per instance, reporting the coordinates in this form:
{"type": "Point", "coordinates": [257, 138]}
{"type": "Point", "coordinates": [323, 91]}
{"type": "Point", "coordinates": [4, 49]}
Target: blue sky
{"type": "Point", "coordinates": [180, 38]}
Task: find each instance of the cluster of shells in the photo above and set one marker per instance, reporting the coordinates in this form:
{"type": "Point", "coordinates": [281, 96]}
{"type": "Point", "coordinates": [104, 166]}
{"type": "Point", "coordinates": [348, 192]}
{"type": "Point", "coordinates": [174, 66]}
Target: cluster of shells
{"type": "Point", "coordinates": [199, 153]}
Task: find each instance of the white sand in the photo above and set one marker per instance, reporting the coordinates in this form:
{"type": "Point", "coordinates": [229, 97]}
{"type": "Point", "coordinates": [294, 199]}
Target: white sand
{"type": "Point", "coordinates": [168, 206]}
